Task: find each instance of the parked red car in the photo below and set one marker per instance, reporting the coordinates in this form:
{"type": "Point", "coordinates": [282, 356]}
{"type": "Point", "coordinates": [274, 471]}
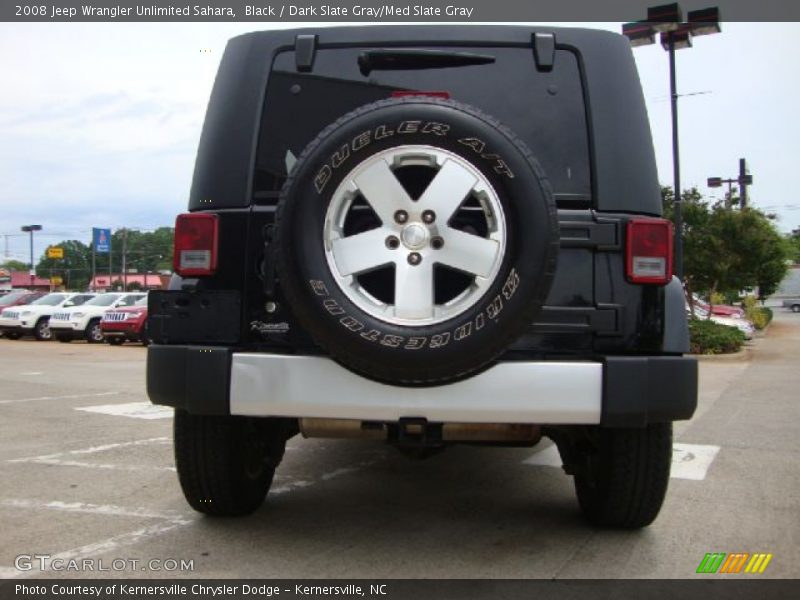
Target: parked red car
{"type": "Point", "coordinates": [723, 310]}
{"type": "Point", "coordinates": [126, 324]}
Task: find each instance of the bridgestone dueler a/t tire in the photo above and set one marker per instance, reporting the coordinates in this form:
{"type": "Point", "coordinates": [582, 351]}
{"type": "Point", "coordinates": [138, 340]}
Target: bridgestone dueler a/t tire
{"type": "Point", "coordinates": [225, 464]}
{"type": "Point", "coordinates": [417, 354]}
{"type": "Point", "coordinates": [627, 477]}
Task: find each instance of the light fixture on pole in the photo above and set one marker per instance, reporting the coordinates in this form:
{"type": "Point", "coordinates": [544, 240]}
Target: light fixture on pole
{"type": "Point", "coordinates": [742, 181]}
{"type": "Point", "coordinates": [674, 34]}
{"type": "Point", "coordinates": [30, 229]}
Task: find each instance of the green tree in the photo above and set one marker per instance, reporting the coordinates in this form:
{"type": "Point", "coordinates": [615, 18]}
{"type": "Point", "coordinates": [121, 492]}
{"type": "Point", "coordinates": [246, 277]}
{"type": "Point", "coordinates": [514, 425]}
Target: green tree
{"type": "Point", "coordinates": [793, 239]}
{"type": "Point", "coordinates": [14, 265]}
{"type": "Point", "coordinates": [726, 250]}
{"type": "Point", "coordinates": [145, 251]}
{"type": "Point", "coordinates": [75, 268]}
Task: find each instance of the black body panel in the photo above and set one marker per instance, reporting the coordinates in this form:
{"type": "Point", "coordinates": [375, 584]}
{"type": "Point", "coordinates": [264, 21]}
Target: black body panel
{"type": "Point", "coordinates": [624, 177]}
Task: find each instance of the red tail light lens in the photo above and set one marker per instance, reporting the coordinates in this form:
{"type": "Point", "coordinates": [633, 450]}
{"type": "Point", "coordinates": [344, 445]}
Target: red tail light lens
{"type": "Point", "coordinates": [648, 257]}
{"type": "Point", "coordinates": [196, 237]}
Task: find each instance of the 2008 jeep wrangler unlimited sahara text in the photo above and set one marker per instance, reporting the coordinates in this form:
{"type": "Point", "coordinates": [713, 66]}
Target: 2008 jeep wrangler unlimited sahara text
{"type": "Point", "coordinates": [426, 235]}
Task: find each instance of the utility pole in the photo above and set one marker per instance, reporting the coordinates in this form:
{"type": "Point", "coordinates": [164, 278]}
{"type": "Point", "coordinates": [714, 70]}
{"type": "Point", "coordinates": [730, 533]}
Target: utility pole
{"type": "Point", "coordinates": [30, 229]}
{"type": "Point", "coordinates": [94, 259]}
{"type": "Point", "coordinates": [110, 263]}
{"type": "Point", "coordinates": [743, 182]}
{"type": "Point", "coordinates": [124, 262]}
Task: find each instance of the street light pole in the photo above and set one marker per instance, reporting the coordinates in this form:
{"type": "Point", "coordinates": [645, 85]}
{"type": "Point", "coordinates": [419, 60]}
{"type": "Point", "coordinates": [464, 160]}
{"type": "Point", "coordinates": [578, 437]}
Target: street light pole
{"type": "Point", "coordinates": [30, 229]}
{"type": "Point", "coordinates": [675, 34]}
{"type": "Point", "coordinates": [676, 161]}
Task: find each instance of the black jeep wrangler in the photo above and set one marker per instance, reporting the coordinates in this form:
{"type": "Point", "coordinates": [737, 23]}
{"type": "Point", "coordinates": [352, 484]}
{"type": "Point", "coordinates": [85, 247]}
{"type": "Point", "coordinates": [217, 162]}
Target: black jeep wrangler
{"type": "Point", "coordinates": [425, 235]}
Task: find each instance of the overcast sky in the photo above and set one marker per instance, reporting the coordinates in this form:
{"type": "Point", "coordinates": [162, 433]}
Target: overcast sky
{"type": "Point", "coordinates": [99, 123]}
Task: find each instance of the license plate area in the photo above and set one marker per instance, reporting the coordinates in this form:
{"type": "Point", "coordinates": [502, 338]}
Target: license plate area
{"type": "Point", "coordinates": [208, 317]}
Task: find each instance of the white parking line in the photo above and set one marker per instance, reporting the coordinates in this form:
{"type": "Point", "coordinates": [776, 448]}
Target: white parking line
{"type": "Point", "coordinates": [689, 461]}
{"type": "Point", "coordinates": [168, 522]}
{"type": "Point", "coordinates": [70, 397]}
{"type": "Point", "coordinates": [64, 459]}
{"type": "Point", "coordinates": [135, 410]}
{"type": "Point", "coordinates": [92, 509]}
{"type": "Point", "coordinates": [692, 461]}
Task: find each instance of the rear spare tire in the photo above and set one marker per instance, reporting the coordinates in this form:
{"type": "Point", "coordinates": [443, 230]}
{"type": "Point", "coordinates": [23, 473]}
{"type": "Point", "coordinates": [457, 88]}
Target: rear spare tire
{"type": "Point", "coordinates": [416, 239]}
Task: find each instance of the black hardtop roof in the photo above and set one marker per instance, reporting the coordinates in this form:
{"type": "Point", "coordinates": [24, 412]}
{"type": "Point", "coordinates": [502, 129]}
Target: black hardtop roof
{"type": "Point", "coordinates": [623, 163]}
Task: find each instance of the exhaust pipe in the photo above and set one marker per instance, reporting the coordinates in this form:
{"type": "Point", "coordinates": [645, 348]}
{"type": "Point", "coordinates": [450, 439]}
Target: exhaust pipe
{"type": "Point", "coordinates": [490, 432]}
{"type": "Point", "coordinates": [451, 432]}
{"type": "Point", "coordinates": [342, 429]}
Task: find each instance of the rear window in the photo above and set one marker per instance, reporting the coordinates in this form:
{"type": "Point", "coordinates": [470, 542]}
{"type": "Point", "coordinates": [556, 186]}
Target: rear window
{"type": "Point", "coordinates": [545, 109]}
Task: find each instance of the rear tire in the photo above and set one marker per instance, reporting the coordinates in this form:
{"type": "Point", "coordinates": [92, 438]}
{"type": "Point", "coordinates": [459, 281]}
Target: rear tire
{"type": "Point", "coordinates": [795, 308]}
{"type": "Point", "coordinates": [42, 330]}
{"type": "Point", "coordinates": [625, 478]}
{"type": "Point", "coordinates": [226, 463]}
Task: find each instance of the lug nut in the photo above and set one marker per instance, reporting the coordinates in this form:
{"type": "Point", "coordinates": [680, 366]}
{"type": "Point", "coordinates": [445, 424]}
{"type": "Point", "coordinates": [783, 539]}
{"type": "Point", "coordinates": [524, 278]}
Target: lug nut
{"type": "Point", "coordinates": [428, 216]}
{"type": "Point", "coordinates": [437, 243]}
{"type": "Point", "coordinates": [401, 216]}
{"type": "Point", "coordinates": [392, 242]}
{"type": "Point", "coordinates": [414, 258]}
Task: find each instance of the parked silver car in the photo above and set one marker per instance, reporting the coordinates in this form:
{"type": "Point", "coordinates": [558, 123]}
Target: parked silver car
{"type": "Point", "coordinates": [792, 303]}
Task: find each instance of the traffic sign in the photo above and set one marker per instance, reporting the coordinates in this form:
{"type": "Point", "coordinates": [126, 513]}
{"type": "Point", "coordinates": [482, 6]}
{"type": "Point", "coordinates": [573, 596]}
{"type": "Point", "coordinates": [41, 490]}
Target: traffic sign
{"type": "Point", "coordinates": [55, 252]}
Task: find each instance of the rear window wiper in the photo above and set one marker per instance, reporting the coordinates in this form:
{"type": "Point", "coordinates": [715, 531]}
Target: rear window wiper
{"type": "Point", "coordinates": [399, 60]}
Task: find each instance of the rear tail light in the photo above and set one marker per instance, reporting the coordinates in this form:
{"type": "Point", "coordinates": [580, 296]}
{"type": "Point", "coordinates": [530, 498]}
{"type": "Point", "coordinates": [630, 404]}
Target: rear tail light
{"type": "Point", "coordinates": [196, 237]}
{"type": "Point", "coordinates": [648, 256]}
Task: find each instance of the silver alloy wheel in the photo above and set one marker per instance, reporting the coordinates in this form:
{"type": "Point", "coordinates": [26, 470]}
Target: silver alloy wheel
{"type": "Point", "coordinates": [43, 329]}
{"type": "Point", "coordinates": [414, 235]}
{"type": "Point", "coordinates": [96, 332]}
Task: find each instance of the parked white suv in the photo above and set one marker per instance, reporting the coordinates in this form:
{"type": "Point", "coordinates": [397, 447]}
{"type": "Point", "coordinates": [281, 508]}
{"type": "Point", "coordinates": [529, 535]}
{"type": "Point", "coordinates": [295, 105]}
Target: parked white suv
{"type": "Point", "coordinates": [84, 321]}
{"type": "Point", "coordinates": [34, 318]}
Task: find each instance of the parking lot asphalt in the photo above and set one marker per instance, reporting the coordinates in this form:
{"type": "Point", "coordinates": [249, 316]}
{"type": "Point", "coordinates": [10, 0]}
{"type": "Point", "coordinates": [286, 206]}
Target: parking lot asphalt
{"type": "Point", "coordinates": [87, 473]}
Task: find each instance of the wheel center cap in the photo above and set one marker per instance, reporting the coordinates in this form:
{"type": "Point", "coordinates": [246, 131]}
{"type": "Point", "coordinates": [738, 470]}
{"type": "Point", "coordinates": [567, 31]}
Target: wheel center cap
{"type": "Point", "coordinates": [414, 236]}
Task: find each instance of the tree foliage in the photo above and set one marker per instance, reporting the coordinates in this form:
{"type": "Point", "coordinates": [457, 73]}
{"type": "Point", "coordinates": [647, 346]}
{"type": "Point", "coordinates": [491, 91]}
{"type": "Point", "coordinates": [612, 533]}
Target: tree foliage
{"type": "Point", "coordinates": [726, 250]}
{"type": "Point", "coordinates": [14, 265]}
{"type": "Point", "coordinates": [793, 239]}
{"type": "Point", "coordinates": [75, 268]}
{"type": "Point", "coordinates": [145, 252]}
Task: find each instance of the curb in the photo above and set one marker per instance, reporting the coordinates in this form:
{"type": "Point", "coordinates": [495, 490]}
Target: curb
{"type": "Point", "coordinates": [743, 354]}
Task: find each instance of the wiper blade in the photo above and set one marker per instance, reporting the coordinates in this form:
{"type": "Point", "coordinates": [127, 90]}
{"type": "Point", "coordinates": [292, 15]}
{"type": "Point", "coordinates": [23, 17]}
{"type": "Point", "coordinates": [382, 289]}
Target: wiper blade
{"type": "Point", "coordinates": [400, 60]}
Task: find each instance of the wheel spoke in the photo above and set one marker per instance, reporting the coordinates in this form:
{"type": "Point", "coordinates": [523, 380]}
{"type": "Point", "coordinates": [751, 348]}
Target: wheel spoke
{"type": "Point", "coordinates": [413, 290]}
{"type": "Point", "coordinates": [467, 252]}
{"type": "Point", "coordinates": [447, 190]}
{"type": "Point", "coordinates": [362, 252]}
{"type": "Point", "coordinates": [381, 189]}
